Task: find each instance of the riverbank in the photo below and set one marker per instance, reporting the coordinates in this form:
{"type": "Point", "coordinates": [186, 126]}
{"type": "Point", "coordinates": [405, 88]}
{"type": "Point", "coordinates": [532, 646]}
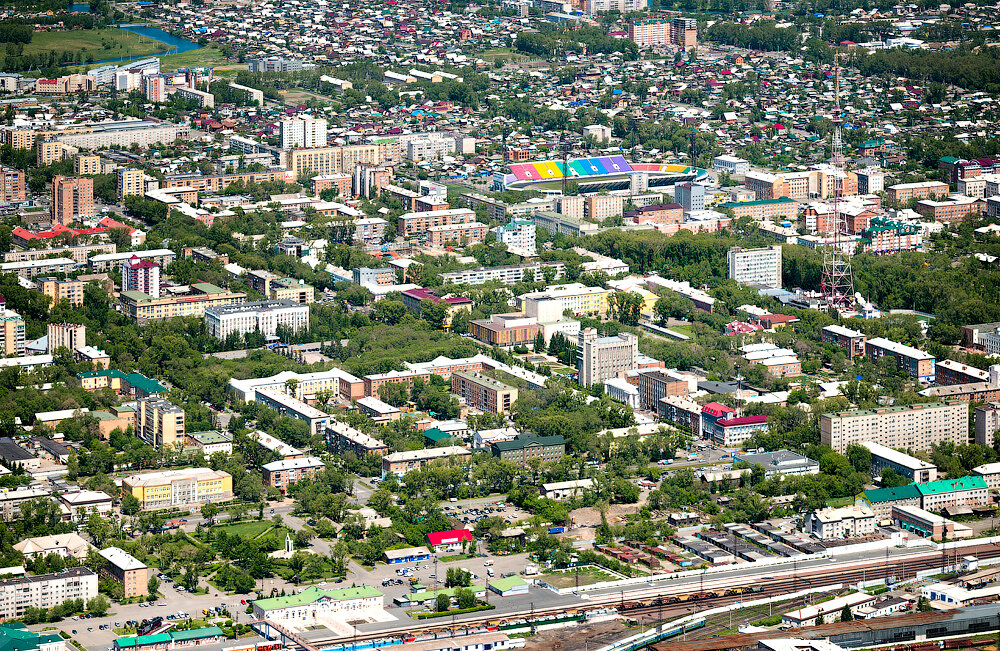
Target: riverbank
{"type": "Point", "coordinates": [94, 45]}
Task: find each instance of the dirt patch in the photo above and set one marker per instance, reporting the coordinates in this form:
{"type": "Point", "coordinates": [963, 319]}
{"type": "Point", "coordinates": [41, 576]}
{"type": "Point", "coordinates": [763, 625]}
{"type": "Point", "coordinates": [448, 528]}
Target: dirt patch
{"type": "Point", "coordinates": [589, 636]}
{"type": "Point", "coordinates": [589, 516]}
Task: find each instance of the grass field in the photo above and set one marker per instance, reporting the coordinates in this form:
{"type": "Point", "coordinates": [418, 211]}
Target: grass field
{"type": "Point", "coordinates": [203, 56]}
{"type": "Point", "coordinates": [249, 529]}
{"type": "Point", "coordinates": [568, 578]}
{"type": "Point", "coordinates": [97, 43]}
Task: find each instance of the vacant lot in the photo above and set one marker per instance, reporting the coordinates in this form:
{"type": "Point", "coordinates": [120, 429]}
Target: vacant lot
{"type": "Point", "coordinates": [570, 579]}
{"type": "Point", "coordinates": [95, 44]}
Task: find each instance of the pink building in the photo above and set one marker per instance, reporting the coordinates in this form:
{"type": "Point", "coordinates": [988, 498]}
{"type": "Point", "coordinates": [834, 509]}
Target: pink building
{"type": "Point", "coordinates": [141, 275]}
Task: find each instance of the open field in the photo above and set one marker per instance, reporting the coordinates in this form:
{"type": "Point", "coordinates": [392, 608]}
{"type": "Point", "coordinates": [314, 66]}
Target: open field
{"type": "Point", "coordinates": [203, 56]}
{"type": "Point", "coordinates": [568, 578]}
{"type": "Point", "coordinates": [98, 44]}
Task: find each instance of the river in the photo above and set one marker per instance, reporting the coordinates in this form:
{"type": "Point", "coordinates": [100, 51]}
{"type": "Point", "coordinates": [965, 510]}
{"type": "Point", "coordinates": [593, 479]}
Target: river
{"type": "Point", "coordinates": [178, 45]}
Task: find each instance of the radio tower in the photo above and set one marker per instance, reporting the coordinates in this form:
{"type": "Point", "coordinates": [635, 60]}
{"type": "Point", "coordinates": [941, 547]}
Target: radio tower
{"type": "Point", "coordinates": [838, 278]}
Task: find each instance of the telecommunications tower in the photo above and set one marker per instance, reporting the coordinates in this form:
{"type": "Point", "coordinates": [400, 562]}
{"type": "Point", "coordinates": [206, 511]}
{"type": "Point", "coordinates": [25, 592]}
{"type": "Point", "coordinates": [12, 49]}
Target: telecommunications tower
{"type": "Point", "coordinates": [838, 278]}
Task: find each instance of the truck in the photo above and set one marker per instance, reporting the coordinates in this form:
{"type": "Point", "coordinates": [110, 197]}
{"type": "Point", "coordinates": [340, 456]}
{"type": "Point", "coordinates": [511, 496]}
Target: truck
{"type": "Point", "coordinates": [530, 570]}
{"type": "Point", "coordinates": [557, 529]}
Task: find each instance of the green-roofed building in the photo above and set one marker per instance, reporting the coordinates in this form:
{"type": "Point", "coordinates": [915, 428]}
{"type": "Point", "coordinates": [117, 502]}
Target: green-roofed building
{"type": "Point", "coordinates": [509, 586]}
{"type": "Point", "coordinates": [193, 637]}
{"type": "Point", "coordinates": [140, 386]}
{"type": "Point", "coordinates": [433, 436]}
{"type": "Point", "coordinates": [881, 500]}
{"type": "Point", "coordinates": [522, 448]}
{"type": "Point", "coordinates": [16, 637]}
{"type": "Point", "coordinates": [422, 597]}
{"type": "Point", "coordinates": [312, 605]}
{"type": "Point", "coordinates": [97, 380]}
{"type": "Point", "coordinates": [964, 491]}
{"type": "Point", "coordinates": [765, 209]}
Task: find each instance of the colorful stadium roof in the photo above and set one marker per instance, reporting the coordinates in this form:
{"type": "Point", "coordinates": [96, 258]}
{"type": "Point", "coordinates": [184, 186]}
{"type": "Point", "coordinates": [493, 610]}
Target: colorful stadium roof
{"type": "Point", "coordinates": [597, 166]}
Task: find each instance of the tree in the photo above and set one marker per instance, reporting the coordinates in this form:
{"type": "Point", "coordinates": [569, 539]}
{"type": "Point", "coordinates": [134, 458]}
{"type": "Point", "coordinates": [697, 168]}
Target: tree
{"type": "Point", "coordinates": [130, 504]}
{"type": "Point", "coordinates": [152, 586]}
{"type": "Point", "coordinates": [539, 346]}
{"type": "Point", "coordinates": [845, 614]}
{"type": "Point", "coordinates": [99, 605]}
{"type": "Point", "coordinates": [434, 312]}
{"type": "Point", "coordinates": [466, 598]}
{"type": "Point", "coordinates": [442, 603]}
{"type": "Point", "coordinates": [859, 456]}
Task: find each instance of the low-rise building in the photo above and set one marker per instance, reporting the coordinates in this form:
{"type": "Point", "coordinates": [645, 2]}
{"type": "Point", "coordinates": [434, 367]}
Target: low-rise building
{"type": "Point", "coordinates": [313, 606]}
{"type": "Point", "coordinates": [45, 591]}
{"type": "Point", "coordinates": [850, 340]}
{"type": "Point", "coordinates": [287, 472]}
{"type": "Point", "coordinates": [483, 393]}
{"type": "Point", "coordinates": [965, 491]}
{"type": "Point", "coordinates": [845, 522]}
{"type": "Point", "coordinates": [121, 567]}
{"type": "Point", "coordinates": [184, 487]}
{"type": "Point", "coordinates": [780, 462]}
{"type": "Point", "coordinates": [912, 468]}
{"type": "Point", "coordinates": [882, 500]}
{"type": "Point", "coordinates": [341, 438]}
{"type": "Point", "coordinates": [449, 541]}
{"type": "Point", "coordinates": [519, 450]}
{"type": "Point", "coordinates": [562, 490]}
{"type": "Point", "coordinates": [928, 525]}
{"type": "Point", "coordinates": [400, 463]}
{"type": "Point", "coordinates": [293, 408]}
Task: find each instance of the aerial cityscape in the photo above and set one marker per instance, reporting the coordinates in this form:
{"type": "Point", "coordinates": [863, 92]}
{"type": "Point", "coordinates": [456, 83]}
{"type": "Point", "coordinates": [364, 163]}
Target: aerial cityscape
{"type": "Point", "coordinates": [444, 325]}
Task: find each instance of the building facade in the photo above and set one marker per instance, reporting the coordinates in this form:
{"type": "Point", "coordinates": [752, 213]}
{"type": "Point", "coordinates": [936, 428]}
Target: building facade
{"type": "Point", "coordinates": [185, 487]}
{"type": "Point", "coordinates": [756, 266]}
{"type": "Point", "coordinates": [909, 427]}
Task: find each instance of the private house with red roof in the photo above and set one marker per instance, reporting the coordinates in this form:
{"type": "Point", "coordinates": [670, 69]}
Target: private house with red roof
{"type": "Point", "coordinates": [449, 541]}
{"type": "Point", "coordinates": [741, 328]}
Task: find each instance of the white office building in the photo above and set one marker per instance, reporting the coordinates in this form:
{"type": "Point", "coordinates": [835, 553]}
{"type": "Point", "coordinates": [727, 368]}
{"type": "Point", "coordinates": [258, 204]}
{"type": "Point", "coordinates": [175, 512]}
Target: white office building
{"type": "Point", "coordinates": [518, 235]}
{"type": "Point", "coordinates": [730, 164]}
{"type": "Point", "coordinates": [756, 266]}
{"type": "Point", "coordinates": [264, 316]}
{"type": "Point", "coordinates": [303, 132]}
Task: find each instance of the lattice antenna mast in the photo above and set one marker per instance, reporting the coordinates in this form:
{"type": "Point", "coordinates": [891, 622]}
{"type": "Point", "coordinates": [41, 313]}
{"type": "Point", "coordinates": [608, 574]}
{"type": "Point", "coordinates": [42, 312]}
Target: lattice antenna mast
{"type": "Point", "coordinates": [838, 277]}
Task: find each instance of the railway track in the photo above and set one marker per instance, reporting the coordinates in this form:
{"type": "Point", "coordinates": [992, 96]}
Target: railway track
{"type": "Point", "coordinates": [678, 600]}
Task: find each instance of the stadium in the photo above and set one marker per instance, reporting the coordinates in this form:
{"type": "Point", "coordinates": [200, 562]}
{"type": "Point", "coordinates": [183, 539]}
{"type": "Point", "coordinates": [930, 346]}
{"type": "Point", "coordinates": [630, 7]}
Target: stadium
{"type": "Point", "coordinates": [595, 174]}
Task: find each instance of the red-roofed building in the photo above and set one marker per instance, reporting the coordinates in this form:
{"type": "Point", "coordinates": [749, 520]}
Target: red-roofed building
{"type": "Point", "coordinates": [449, 541]}
{"type": "Point", "coordinates": [734, 432]}
{"type": "Point", "coordinates": [412, 298]}
{"type": "Point", "coordinates": [773, 321]}
{"type": "Point", "coordinates": [23, 237]}
{"type": "Point", "coordinates": [740, 328]}
{"type": "Point", "coordinates": [711, 413]}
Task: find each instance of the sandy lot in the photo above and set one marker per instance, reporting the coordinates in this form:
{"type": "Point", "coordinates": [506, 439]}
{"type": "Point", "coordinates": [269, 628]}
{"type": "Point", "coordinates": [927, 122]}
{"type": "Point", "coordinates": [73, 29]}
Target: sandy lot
{"type": "Point", "coordinates": [582, 638]}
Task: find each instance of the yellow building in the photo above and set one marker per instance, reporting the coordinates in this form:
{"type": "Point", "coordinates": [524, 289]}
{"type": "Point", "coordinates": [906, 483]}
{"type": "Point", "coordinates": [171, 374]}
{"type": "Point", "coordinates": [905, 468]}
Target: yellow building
{"type": "Point", "coordinates": [130, 183]}
{"type": "Point", "coordinates": [549, 304]}
{"type": "Point", "coordinates": [142, 308]}
{"type": "Point", "coordinates": [107, 379]}
{"type": "Point", "coordinates": [50, 151]}
{"type": "Point", "coordinates": [62, 290]}
{"type": "Point", "coordinates": [159, 423]}
{"type": "Point", "coordinates": [18, 138]}
{"type": "Point", "coordinates": [86, 164]}
{"type": "Point", "coordinates": [189, 486]}
{"type": "Point", "coordinates": [11, 334]}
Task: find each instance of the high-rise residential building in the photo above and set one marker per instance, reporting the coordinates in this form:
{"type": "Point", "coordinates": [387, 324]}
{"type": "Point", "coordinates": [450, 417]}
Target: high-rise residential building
{"type": "Point", "coordinates": [12, 185]}
{"type": "Point", "coordinates": [86, 164]}
{"type": "Point", "coordinates": [141, 275]}
{"type": "Point", "coordinates": [66, 335]}
{"type": "Point", "coordinates": [656, 384]}
{"type": "Point", "coordinates": [49, 151]}
{"type": "Point", "coordinates": [264, 317]}
{"type": "Point", "coordinates": [303, 132]}
{"type": "Point", "coordinates": [913, 427]}
{"type": "Point", "coordinates": [603, 358]}
{"type": "Point", "coordinates": [275, 64]}
{"type": "Point", "coordinates": [72, 199]}
{"type": "Point", "coordinates": [684, 32]}
{"type": "Point", "coordinates": [11, 334]}
{"type": "Point", "coordinates": [130, 182]}
{"type": "Point", "coordinates": [621, 6]}
{"type": "Point", "coordinates": [159, 423]}
{"type": "Point", "coordinates": [17, 138]}
{"type": "Point", "coordinates": [154, 88]}
{"type": "Point", "coordinates": [756, 266]}
{"type": "Point", "coordinates": [57, 289]}
{"type": "Point", "coordinates": [571, 207]}
{"type": "Point", "coordinates": [690, 195]}
{"type": "Point", "coordinates": [987, 419]}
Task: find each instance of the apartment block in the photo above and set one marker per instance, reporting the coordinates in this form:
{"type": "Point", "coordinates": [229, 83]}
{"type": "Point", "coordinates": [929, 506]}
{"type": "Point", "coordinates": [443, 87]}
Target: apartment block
{"type": "Point", "coordinates": [290, 289]}
{"type": "Point", "coordinates": [598, 207]}
{"type": "Point", "coordinates": [908, 427]}
{"type": "Point", "coordinates": [264, 317]}
{"type": "Point", "coordinates": [400, 463]}
{"type": "Point", "coordinates": [507, 275]}
{"type": "Point", "coordinates": [13, 187]}
{"type": "Point", "coordinates": [66, 335]}
{"type": "Point", "coordinates": [603, 358]}
{"type": "Point", "coordinates": [159, 423]}
{"type": "Point", "coordinates": [61, 290]}
{"type": "Point", "coordinates": [288, 472]}
{"type": "Point", "coordinates": [219, 182]}
{"type": "Point", "coordinates": [130, 183]}
{"type": "Point", "coordinates": [760, 267]}
{"type": "Point", "coordinates": [45, 591]}
{"type": "Point", "coordinates": [902, 192]}
{"type": "Point", "coordinates": [951, 209]}
{"type": "Point", "coordinates": [124, 568]}
{"type": "Point", "coordinates": [72, 199]}
{"type": "Point", "coordinates": [519, 236]}
{"type": "Point", "coordinates": [462, 234]}
{"type": "Point", "coordinates": [141, 275]}
{"type": "Point", "coordinates": [987, 419]}
{"type": "Point", "coordinates": [293, 408]}
{"type": "Point", "coordinates": [912, 361]}
{"type": "Point", "coordinates": [850, 340]}
{"type": "Point", "coordinates": [302, 132]}
{"type": "Point", "coordinates": [910, 467]}
{"type": "Point", "coordinates": [341, 438]}
{"type": "Point", "coordinates": [524, 448]}
{"type": "Point", "coordinates": [765, 209]}
{"type": "Point", "coordinates": [17, 138]}
{"type": "Point", "coordinates": [142, 308]}
{"type": "Point", "coordinates": [549, 304]}
{"type": "Point", "coordinates": [185, 487]}
{"type": "Point", "coordinates": [845, 522]}
{"type": "Point", "coordinates": [11, 334]}
{"type": "Point", "coordinates": [483, 393]}
{"type": "Point", "coordinates": [50, 151]}
{"type": "Point", "coordinates": [419, 223]}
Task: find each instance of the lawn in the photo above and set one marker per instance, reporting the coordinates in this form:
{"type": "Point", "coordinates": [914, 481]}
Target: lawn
{"type": "Point", "coordinates": [249, 529]}
{"type": "Point", "coordinates": [837, 502]}
{"type": "Point", "coordinates": [98, 44]}
{"type": "Point", "coordinates": [456, 557]}
{"type": "Point", "coordinates": [568, 578]}
{"type": "Point", "coordinates": [203, 56]}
